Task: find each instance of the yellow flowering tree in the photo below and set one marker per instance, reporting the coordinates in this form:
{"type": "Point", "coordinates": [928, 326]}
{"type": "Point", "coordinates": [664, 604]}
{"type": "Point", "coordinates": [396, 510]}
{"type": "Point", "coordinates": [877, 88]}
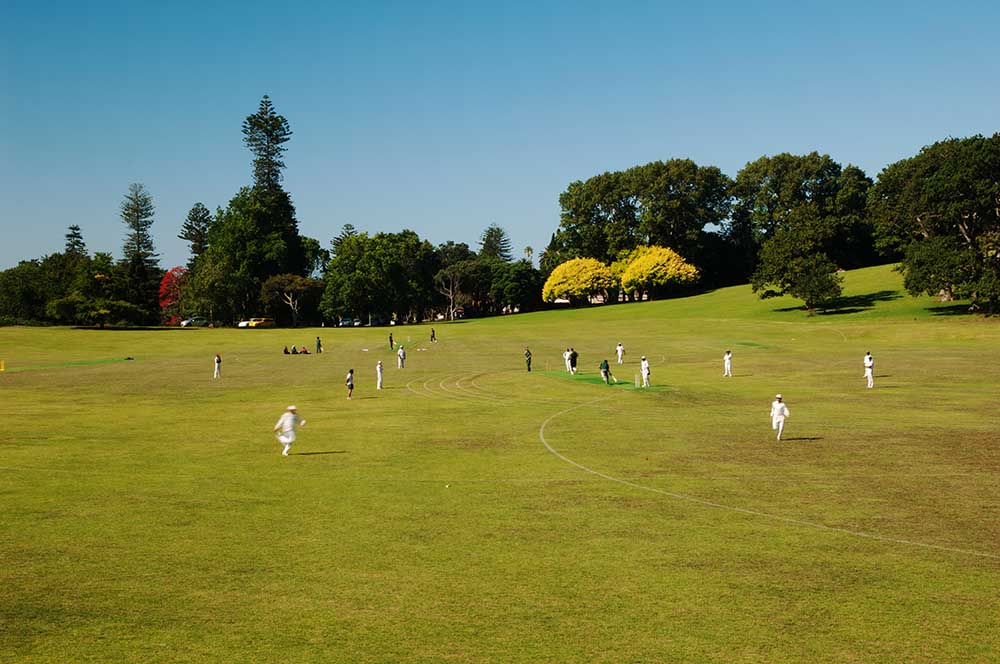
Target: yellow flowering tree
{"type": "Point", "coordinates": [653, 270]}
{"type": "Point", "coordinates": [577, 280]}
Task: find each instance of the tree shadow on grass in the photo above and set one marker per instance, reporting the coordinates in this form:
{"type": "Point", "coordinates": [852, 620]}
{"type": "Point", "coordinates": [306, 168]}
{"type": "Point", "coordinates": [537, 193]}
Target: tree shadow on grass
{"type": "Point", "coordinates": [952, 310]}
{"type": "Point", "coordinates": [857, 303]}
{"type": "Point", "coordinates": [851, 304]}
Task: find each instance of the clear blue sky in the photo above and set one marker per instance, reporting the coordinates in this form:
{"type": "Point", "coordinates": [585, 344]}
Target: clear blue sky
{"type": "Point", "coordinates": [445, 117]}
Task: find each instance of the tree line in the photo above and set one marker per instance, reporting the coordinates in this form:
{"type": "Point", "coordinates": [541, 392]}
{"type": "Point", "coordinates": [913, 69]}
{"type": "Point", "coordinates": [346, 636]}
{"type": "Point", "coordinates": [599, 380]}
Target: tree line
{"type": "Point", "coordinates": [248, 259]}
{"type": "Point", "coordinates": [786, 224]}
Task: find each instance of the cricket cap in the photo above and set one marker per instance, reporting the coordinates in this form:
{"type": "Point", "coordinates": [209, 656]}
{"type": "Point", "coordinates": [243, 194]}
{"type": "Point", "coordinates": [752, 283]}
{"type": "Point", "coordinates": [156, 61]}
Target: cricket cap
{"type": "Point", "coordinates": [291, 408]}
{"type": "Point", "coordinates": [777, 396]}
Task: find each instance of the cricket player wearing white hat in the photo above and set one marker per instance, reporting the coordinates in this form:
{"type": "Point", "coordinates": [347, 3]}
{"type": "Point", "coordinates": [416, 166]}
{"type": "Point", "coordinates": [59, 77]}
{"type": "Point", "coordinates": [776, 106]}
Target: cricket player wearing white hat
{"type": "Point", "coordinates": [779, 411]}
{"type": "Point", "coordinates": [285, 428]}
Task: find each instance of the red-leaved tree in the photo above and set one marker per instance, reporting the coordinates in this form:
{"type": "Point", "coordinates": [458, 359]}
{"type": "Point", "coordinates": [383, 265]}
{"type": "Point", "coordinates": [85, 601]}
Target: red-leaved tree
{"type": "Point", "coordinates": [170, 293]}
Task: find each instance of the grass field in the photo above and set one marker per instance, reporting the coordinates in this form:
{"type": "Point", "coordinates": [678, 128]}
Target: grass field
{"type": "Point", "coordinates": [472, 512]}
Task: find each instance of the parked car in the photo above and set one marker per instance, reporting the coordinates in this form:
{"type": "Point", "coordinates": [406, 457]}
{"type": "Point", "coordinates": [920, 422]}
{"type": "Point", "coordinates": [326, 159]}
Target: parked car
{"type": "Point", "coordinates": [194, 321]}
{"type": "Point", "coordinates": [378, 321]}
{"type": "Point", "coordinates": [345, 322]}
{"type": "Point", "coordinates": [261, 322]}
{"type": "Point", "coordinates": [243, 323]}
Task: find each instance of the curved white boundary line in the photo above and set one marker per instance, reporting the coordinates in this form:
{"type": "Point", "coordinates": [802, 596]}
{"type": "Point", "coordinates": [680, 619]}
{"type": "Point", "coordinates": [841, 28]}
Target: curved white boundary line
{"type": "Point", "coordinates": [739, 510]}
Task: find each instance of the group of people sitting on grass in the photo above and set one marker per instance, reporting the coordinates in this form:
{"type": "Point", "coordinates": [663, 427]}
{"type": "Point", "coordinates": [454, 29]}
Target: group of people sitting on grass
{"type": "Point", "coordinates": [297, 351]}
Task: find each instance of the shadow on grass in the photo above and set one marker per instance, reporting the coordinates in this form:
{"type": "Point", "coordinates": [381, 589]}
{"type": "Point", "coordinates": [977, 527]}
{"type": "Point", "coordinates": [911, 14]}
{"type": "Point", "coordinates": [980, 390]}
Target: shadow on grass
{"type": "Point", "coordinates": [858, 303]}
{"type": "Point", "coordinates": [316, 453]}
{"type": "Point", "coordinates": [852, 304]}
{"type": "Point", "coordinates": [952, 310]}
{"type": "Point", "coordinates": [802, 438]}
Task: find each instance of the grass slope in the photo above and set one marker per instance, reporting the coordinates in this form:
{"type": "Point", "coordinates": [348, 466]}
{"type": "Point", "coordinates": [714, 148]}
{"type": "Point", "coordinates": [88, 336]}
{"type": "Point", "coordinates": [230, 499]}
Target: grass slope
{"type": "Point", "coordinates": [472, 512]}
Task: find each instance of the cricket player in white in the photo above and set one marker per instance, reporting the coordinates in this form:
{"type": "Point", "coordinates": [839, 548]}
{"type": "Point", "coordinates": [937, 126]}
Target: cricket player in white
{"type": "Point", "coordinates": [779, 411]}
{"type": "Point", "coordinates": [644, 370]}
{"type": "Point", "coordinates": [727, 364]}
{"type": "Point", "coordinates": [566, 361]}
{"type": "Point", "coordinates": [401, 355]}
{"type": "Point", "coordinates": [285, 428]}
{"type": "Point", "coordinates": [378, 374]}
{"type": "Point", "coordinates": [870, 369]}
{"type": "Point", "coordinates": [218, 367]}
{"type": "Point", "coordinates": [620, 352]}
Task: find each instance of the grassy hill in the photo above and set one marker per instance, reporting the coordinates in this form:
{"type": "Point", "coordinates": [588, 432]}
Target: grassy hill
{"type": "Point", "coordinates": [473, 512]}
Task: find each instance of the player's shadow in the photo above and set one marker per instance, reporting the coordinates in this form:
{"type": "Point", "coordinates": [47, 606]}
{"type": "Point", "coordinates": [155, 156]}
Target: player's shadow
{"type": "Point", "coordinates": [803, 438]}
{"type": "Point", "coordinates": [317, 453]}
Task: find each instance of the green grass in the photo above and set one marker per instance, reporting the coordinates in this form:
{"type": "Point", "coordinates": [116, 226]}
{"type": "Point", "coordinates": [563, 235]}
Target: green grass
{"type": "Point", "coordinates": [472, 512]}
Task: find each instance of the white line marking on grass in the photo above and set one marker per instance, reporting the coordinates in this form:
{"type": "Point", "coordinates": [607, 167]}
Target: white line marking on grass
{"type": "Point", "coordinates": [461, 393]}
{"type": "Point", "coordinates": [739, 510]}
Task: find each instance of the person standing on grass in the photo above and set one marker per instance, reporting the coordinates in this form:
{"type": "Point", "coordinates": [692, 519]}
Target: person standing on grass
{"type": "Point", "coordinates": [378, 375]}
{"type": "Point", "coordinates": [218, 366]}
{"type": "Point", "coordinates": [620, 352]}
{"type": "Point", "coordinates": [566, 361]}
{"type": "Point", "coordinates": [606, 373]}
{"type": "Point", "coordinates": [434, 338]}
{"type": "Point", "coordinates": [285, 428]}
{"type": "Point", "coordinates": [401, 355]}
{"type": "Point", "coordinates": [779, 411]}
{"type": "Point", "coordinates": [319, 346]}
{"type": "Point", "coordinates": [527, 358]}
{"type": "Point", "coordinates": [391, 345]}
{"type": "Point", "coordinates": [727, 364]}
{"type": "Point", "coordinates": [644, 370]}
{"type": "Point", "coordinates": [870, 369]}
{"type": "Point", "coordinates": [573, 357]}
{"type": "Point", "coordinates": [349, 382]}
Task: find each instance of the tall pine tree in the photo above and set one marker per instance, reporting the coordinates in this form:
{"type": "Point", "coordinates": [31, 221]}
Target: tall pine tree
{"type": "Point", "coordinates": [264, 133]}
{"type": "Point", "coordinates": [142, 273]}
{"type": "Point", "coordinates": [195, 230]}
{"type": "Point", "coordinates": [74, 242]}
{"type": "Point", "coordinates": [495, 243]}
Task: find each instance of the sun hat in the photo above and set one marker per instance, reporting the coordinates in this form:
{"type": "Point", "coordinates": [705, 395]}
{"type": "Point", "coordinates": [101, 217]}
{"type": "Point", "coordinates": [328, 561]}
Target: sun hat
{"type": "Point", "coordinates": [291, 408]}
{"type": "Point", "coordinates": [777, 396]}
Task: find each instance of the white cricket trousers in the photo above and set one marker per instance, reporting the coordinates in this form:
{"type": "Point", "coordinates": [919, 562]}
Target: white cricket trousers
{"type": "Point", "coordinates": [778, 424]}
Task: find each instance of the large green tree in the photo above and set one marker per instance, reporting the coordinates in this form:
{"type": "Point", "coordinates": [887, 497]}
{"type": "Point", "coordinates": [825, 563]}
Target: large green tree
{"type": "Point", "coordinates": [297, 295]}
{"type": "Point", "coordinates": [941, 209]}
{"type": "Point", "coordinates": [516, 286]}
{"type": "Point", "coordinates": [383, 274]}
{"type": "Point", "coordinates": [797, 218]}
{"type": "Point", "coordinates": [805, 194]}
{"type": "Point", "coordinates": [661, 203]}
{"type": "Point", "coordinates": [255, 237]}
